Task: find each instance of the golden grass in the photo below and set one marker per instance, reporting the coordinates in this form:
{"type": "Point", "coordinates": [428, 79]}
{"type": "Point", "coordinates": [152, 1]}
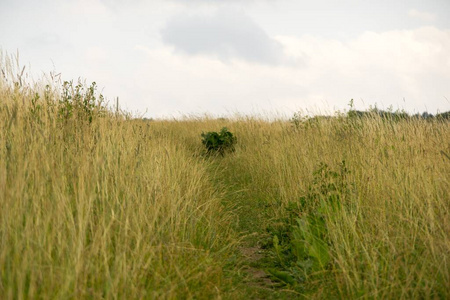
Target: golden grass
{"type": "Point", "coordinates": [390, 238]}
{"type": "Point", "coordinates": [108, 209]}
{"type": "Point", "coordinates": [122, 208]}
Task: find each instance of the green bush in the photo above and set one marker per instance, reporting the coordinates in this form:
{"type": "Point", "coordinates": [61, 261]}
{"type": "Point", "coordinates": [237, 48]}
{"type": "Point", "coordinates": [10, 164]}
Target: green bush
{"type": "Point", "coordinates": [80, 101]}
{"type": "Point", "coordinates": [219, 142]}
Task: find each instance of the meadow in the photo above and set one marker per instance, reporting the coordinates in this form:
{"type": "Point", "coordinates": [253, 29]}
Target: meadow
{"type": "Point", "coordinates": [96, 203]}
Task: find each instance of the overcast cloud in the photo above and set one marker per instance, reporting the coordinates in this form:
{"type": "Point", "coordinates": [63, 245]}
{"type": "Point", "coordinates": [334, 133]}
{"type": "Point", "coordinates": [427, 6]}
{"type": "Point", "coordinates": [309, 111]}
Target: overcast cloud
{"type": "Point", "coordinates": [171, 58]}
{"type": "Point", "coordinates": [226, 34]}
{"type": "Point", "coordinates": [422, 15]}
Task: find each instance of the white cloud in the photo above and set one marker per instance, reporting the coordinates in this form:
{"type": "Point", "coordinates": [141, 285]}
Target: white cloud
{"type": "Point", "coordinates": [421, 15]}
{"type": "Point", "coordinates": [382, 68]}
{"type": "Point", "coordinates": [218, 2]}
{"type": "Point", "coordinates": [96, 54]}
{"type": "Point", "coordinates": [241, 72]}
{"type": "Point", "coordinates": [89, 7]}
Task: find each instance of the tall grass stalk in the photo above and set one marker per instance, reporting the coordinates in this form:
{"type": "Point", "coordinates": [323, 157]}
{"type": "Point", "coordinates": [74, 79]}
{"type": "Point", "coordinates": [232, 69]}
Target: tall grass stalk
{"type": "Point", "coordinates": [390, 237]}
{"type": "Point", "coordinates": [96, 204]}
{"type": "Point", "coordinates": [102, 207]}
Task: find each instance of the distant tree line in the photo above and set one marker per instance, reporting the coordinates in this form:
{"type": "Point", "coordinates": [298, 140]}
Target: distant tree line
{"type": "Point", "coordinates": [398, 115]}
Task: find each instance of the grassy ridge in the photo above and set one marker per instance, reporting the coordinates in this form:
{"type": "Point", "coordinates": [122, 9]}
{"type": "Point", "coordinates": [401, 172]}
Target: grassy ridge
{"type": "Point", "coordinates": [97, 205]}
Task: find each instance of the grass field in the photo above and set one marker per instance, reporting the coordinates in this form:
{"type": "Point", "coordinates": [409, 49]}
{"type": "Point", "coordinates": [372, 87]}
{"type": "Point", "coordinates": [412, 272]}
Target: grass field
{"type": "Point", "coordinates": [96, 204]}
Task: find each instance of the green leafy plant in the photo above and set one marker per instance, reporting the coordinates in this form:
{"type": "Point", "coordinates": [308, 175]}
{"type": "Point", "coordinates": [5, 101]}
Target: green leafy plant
{"type": "Point", "coordinates": [80, 100]}
{"type": "Point", "coordinates": [301, 246]}
{"type": "Point", "coordinates": [219, 142]}
{"type": "Point", "coordinates": [326, 195]}
{"type": "Point", "coordinates": [309, 243]}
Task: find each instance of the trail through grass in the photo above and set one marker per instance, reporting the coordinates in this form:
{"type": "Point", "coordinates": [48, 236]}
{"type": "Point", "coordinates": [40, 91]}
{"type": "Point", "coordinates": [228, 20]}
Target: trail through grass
{"type": "Point", "coordinates": [342, 208]}
{"type": "Point", "coordinates": [100, 205]}
{"type": "Point", "coordinates": [251, 280]}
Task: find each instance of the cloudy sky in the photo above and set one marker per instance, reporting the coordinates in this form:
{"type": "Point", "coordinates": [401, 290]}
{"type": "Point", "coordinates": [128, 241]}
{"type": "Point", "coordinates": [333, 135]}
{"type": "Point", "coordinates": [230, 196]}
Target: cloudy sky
{"type": "Point", "coordinates": [182, 57]}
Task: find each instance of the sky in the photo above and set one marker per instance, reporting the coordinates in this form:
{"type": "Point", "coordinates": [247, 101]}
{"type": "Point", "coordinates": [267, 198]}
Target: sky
{"type": "Point", "coordinates": [174, 58]}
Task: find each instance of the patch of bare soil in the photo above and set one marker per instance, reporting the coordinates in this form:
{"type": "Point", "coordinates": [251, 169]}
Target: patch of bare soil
{"type": "Point", "coordinates": [257, 277]}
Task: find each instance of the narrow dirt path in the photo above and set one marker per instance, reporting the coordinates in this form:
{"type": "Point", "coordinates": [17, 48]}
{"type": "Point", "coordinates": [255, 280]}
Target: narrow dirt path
{"type": "Point", "coordinates": [252, 222]}
{"type": "Point", "coordinates": [258, 278]}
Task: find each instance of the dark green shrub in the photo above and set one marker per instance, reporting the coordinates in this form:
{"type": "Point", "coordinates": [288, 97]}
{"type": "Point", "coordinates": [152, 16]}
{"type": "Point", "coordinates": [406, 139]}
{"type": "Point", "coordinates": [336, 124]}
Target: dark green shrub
{"type": "Point", "coordinates": [219, 142]}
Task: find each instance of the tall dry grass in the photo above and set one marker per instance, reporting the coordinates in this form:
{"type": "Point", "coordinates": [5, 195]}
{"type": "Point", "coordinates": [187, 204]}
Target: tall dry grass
{"type": "Point", "coordinates": [111, 207]}
{"type": "Point", "coordinates": [390, 237]}
{"type": "Point", "coordinates": [104, 207]}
